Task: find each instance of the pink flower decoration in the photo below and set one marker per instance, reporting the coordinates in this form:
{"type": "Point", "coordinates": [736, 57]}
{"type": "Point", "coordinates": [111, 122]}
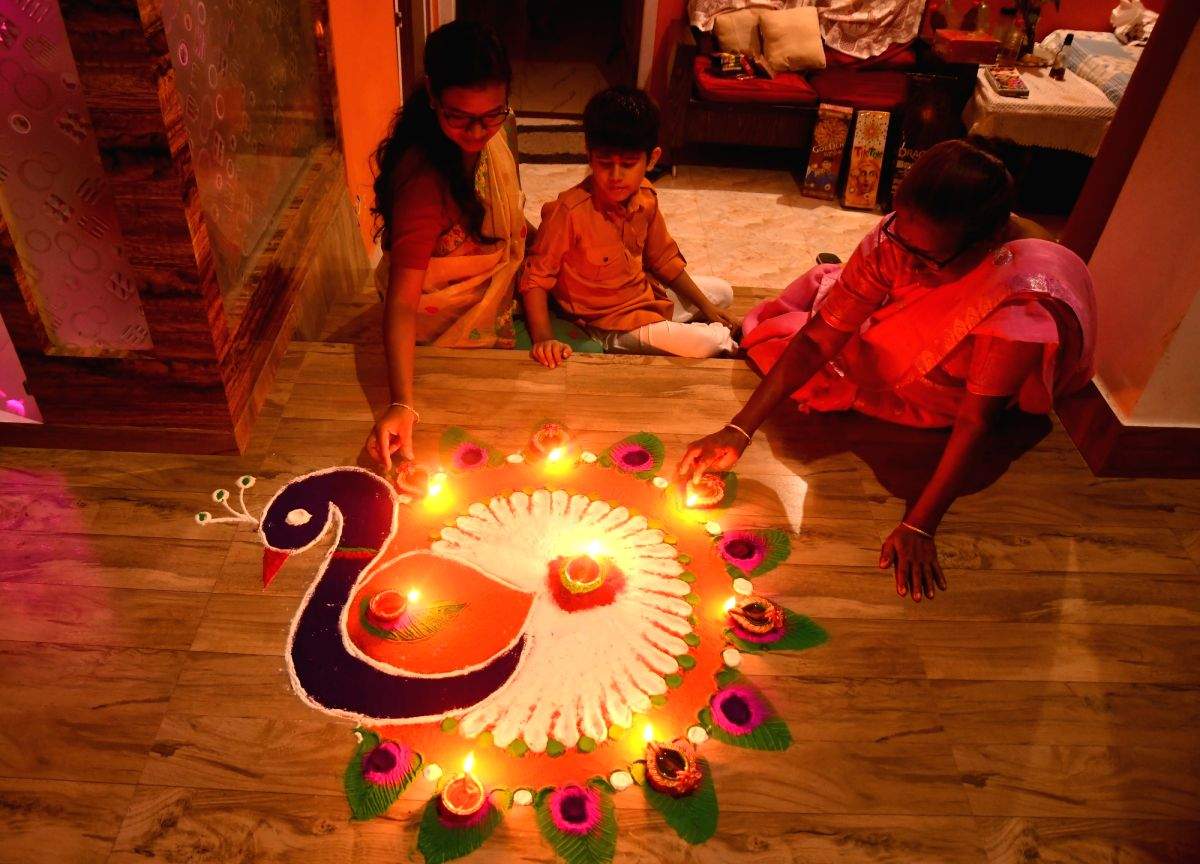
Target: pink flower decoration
{"type": "Point", "coordinates": [738, 710]}
{"type": "Point", "coordinates": [387, 764]}
{"type": "Point", "coordinates": [745, 550]}
{"type": "Point", "coordinates": [575, 810]}
{"type": "Point", "coordinates": [632, 457]}
{"type": "Point", "coordinates": [468, 455]}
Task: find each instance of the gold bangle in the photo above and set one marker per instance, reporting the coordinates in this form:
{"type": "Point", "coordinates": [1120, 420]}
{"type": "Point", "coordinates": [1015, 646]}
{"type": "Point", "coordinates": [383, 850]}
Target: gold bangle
{"type": "Point", "coordinates": [916, 530]}
{"type": "Point", "coordinates": [416, 416]}
{"type": "Point", "coordinates": [738, 428]}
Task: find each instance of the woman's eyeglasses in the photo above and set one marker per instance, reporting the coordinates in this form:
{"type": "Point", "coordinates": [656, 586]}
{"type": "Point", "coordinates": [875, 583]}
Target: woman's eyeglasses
{"type": "Point", "coordinates": [462, 120]}
{"type": "Point", "coordinates": [924, 257]}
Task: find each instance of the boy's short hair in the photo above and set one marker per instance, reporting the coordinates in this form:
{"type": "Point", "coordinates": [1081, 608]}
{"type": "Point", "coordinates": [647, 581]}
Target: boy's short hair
{"type": "Point", "coordinates": [621, 118]}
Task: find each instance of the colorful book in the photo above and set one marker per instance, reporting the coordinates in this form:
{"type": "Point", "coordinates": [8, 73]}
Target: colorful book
{"type": "Point", "coordinates": [866, 159]}
{"type": "Point", "coordinates": [1007, 82]}
{"type": "Point", "coordinates": [828, 150]}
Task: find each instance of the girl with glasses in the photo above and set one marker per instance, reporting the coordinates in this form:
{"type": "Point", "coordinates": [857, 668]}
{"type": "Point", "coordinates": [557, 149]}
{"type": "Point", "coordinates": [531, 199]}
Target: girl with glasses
{"type": "Point", "coordinates": [950, 311]}
{"type": "Point", "coordinates": [451, 218]}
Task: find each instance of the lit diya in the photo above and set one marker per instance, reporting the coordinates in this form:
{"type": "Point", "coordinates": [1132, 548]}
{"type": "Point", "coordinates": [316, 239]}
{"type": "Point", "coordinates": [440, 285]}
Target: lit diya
{"type": "Point", "coordinates": [464, 796]}
{"type": "Point", "coordinates": [705, 491]}
{"type": "Point", "coordinates": [387, 608]}
{"type": "Point", "coordinates": [551, 441]}
{"type": "Point", "coordinates": [672, 768]}
{"type": "Point", "coordinates": [584, 581]}
{"type": "Point", "coordinates": [757, 619]}
{"type": "Point", "coordinates": [411, 479]}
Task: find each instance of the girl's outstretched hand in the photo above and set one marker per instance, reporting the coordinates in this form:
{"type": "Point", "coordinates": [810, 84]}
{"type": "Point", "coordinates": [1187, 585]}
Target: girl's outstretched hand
{"type": "Point", "coordinates": [392, 434]}
{"type": "Point", "coordinates": [716, 452]}
{"type": "Point", "coordinates": [914, 558]}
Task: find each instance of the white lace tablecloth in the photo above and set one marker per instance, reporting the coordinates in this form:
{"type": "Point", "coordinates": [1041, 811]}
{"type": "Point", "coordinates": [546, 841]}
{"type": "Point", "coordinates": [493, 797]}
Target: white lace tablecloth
{"type": "Point", "coordinates": [1063, 115]}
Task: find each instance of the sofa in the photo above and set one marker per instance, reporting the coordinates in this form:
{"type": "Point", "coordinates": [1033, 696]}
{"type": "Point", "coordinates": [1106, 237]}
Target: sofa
{"type": "Point", "coordinates": [704, 108]}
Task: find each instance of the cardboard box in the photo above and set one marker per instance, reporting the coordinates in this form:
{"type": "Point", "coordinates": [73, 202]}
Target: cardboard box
{"type": "Point", "coordinates": [966, 46]}
{"type": "Point", "coordinates": [828, 151]}
{"type": "Point", "coordinates": [866, 159]}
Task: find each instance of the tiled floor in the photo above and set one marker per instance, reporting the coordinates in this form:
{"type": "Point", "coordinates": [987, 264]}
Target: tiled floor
{"type": "Point", "coordinates": [751, 227]}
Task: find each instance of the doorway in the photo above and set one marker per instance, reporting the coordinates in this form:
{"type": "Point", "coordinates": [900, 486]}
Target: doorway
{"type": "Point", "coordinates": [562, 52]}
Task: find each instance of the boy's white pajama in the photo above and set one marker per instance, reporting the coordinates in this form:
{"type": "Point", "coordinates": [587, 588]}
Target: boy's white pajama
{"type": "Point", "coordinates": [682, 336]}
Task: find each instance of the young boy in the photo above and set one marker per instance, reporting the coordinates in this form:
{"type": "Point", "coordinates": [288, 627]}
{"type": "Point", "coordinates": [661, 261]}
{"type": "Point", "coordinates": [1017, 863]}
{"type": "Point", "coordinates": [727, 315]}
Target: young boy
{"type": "Point", "coordinates": [603, 251]}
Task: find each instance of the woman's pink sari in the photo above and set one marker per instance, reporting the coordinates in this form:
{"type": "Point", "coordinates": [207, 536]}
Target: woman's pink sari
{"type": "Point", "coordinates": [885, 369]}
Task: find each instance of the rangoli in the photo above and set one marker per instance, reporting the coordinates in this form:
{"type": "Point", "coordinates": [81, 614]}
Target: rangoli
{"type": "Point", "coordinates": [547, 628]}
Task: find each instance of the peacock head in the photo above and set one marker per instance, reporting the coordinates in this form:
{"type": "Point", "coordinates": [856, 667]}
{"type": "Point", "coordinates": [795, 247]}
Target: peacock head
{"type": "Point", "coordinates": [358, 501]}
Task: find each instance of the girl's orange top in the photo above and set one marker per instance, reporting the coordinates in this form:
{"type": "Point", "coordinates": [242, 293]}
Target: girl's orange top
{"type": "Point", "coordinates": [425, 219]}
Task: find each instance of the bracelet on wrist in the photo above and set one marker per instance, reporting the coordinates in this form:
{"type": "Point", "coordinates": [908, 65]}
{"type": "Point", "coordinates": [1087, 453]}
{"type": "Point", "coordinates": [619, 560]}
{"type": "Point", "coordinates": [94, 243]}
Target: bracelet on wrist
{"type": "Point", "coordinates": [416, 415]}
{"type": "Point", "coordinates": [737, 428]}
{"type": "Point", "coordinates": [916, 530]}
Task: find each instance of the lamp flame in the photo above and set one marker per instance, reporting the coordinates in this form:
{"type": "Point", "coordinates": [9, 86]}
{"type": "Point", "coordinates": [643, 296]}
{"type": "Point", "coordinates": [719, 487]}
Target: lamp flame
{"type": "Point", "coordinates": [413, 595]}
{"type": "Point", "coordinates": [556, 454]}
{"type": "Point", "coordinates": [648, 733]}
{"type": "Point", "coordinates": [595, 548]}
{"type": "Point", "coordinates": [469, 762]}
{"type": "Point", "coordinates": [730, 603]}
{"type": "Point", "coordinates": [436, 484]}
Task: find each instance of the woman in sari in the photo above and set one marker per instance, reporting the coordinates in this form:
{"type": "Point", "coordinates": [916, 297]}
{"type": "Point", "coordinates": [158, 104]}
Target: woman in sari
{"type": "Point", "coordinates": [949, 312]}
{"type": "Point", "coordinates": [452, 220]}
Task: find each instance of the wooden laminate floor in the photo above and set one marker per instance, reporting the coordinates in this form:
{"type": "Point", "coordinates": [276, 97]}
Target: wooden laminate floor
{"type": "Point", "coordinates": [1045, 709]}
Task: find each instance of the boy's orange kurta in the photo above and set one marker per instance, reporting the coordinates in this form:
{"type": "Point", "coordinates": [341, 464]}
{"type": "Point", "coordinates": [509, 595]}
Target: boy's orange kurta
{"type": "Point", "coordinates": [598, 263]}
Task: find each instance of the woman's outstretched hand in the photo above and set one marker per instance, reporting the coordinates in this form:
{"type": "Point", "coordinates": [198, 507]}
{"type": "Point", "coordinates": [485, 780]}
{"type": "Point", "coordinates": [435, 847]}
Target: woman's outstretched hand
{"type": "Point", "coordinates": [393, 433]}
{"type": "Point", "coordinates": [914, 558]}
{"type": "Point", "coordinates": [716, 452]}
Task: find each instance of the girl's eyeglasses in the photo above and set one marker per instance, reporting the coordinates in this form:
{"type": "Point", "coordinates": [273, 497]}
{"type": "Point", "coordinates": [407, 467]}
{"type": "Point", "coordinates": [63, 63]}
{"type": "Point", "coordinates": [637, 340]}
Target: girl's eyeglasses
{"type": "Point", "coordinates": [462, 120]}
{"type": "Point", "coordinates": [934, 264]}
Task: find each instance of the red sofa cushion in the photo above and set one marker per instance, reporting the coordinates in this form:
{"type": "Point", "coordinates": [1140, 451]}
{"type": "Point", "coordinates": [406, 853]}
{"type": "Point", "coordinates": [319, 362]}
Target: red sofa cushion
{"type": "Point", "coordinates": [884, 91]}
{"type": "Point", "coordinates": [899, 57]}
{"type": "Point", "coordinates": [786, 88]}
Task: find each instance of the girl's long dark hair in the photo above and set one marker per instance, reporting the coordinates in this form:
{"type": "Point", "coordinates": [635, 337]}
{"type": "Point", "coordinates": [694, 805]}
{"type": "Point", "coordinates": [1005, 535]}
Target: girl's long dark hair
{"type": "Point", "coordinates": [458, 54]}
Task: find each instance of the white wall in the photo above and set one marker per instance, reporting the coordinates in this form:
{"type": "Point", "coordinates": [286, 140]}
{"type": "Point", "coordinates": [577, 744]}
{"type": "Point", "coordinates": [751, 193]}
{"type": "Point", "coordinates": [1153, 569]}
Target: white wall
{"type": "Point", "coordinates": [1147, 268]}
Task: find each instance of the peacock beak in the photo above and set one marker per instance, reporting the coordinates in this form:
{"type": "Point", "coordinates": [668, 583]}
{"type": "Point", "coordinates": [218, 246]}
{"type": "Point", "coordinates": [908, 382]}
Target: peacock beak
{"type": "Point", "coordinates": [272, 560]}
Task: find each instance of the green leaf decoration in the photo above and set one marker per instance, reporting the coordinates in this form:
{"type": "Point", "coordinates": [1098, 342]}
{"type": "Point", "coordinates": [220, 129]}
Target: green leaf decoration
{"type": "Point", "coordinates": [366, 799]}
{"type": "Point", "coordinates": [692, 639]}
{"type": "Point", "coordinates": [554, 749]}
{"type": "Point", "coordinates": [597, 847]}
{"type": "Point", "coordinates": [800, 632]}
{"type": "Point", "coordinates": [658, 700]}
{"type": "Point", "coordinates": [687, 576]}
{"type": "Point", "coordinates": [773, 734]}
{"type": "Point", "coordinates": [779, 547]}
{"type": "Point", "coordinates": [449, 724]}
{"type": "Point", "coordinates": [674, 680]}
{"type": "Point", "coordinates": [424, 621]}
{"type": "Point", "coordinates": [726, 677]}
{"type": "Point", "coordinates": [653, 445]}
{"type": "Point", "coordinates": [684, 558]}
{"type": "Point", "coordinates": [694, 816]}
{"type": "Point", "coordinates": [439, 843]}
{"type": "Point", "coordinates": [586, 744]}
{"type": "Point", "coordinates": [686, 661]}
{"type": "Point", "coordinates": [518, 748]}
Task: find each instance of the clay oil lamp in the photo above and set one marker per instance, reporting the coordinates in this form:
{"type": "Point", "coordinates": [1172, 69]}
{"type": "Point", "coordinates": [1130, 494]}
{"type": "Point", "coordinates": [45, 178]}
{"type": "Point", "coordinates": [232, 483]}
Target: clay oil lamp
{"type": "Point", "coordinates": [464, 797]}
{"type": "Point", "coordinates": [672, 768]}
{"type": "Point", "coordinates": [705, 492]}
{"type": "Point", "coordinates": [757, 619]}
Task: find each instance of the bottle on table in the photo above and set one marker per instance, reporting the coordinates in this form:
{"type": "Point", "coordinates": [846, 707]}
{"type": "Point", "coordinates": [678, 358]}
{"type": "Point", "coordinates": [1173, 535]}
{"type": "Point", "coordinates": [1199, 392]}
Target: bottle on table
{"type": "Point", "coordinates": [1058, 68]}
